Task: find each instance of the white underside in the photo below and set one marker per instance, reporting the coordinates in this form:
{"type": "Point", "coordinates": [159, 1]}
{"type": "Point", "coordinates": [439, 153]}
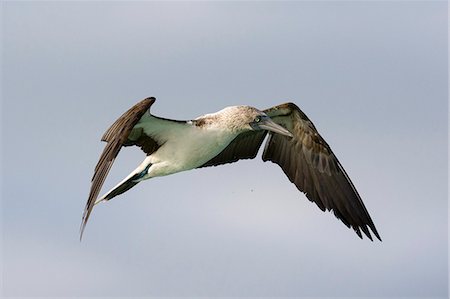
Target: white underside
{"type": "Point", "coordinates": [185, 146]}
{"type": "Point", "coordinates": [192, 148]}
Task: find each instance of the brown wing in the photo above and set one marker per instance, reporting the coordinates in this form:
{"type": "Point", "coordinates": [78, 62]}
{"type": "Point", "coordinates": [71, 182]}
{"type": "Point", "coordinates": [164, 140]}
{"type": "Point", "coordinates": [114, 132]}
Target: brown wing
{"type": "Point", "coordinates": [244, 146]}
{"type": "Point", "coordinates": [309, 163]}
{"type": "Point", "coordinates": [120, 134]}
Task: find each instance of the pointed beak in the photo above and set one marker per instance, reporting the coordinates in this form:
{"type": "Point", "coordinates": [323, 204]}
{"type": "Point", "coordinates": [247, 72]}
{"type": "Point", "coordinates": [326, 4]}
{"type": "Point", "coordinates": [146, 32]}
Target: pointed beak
{"type": "Point", "coordinates": [270, 125]}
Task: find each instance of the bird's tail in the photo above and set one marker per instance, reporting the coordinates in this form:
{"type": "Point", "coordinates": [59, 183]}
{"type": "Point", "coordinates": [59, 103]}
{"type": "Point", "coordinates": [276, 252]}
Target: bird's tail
{"type": "Point", "coordinates": [126, 184]}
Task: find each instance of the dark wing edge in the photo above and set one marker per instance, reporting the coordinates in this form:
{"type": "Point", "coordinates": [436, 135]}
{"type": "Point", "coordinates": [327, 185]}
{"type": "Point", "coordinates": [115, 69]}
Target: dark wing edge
{"type": "Point", "coordinates": [116, 137]}
{"type": "Point", "coordinates": [245, 146]}
{"type": "Point", "coordinates": [309, 163]}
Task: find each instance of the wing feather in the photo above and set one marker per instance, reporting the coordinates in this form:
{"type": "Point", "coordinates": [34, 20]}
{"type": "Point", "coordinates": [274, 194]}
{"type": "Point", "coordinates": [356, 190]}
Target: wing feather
{"type": "Point", "coordinates": [116, 137]}
{"type": "Point", "coordinates": [310, 164]}
{"type": "Point", "coordinates": [244, 146]}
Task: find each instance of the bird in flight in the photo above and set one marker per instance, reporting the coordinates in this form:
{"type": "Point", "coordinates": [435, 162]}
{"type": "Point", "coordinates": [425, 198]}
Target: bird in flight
{"type": "Point", "coordinates": [231, 134]}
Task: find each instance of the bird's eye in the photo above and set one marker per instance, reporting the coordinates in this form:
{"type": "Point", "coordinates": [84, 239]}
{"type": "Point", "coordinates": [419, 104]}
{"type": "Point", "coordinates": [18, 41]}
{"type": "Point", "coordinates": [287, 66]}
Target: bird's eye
{"type": "Point", "coordinates": [257, 119]}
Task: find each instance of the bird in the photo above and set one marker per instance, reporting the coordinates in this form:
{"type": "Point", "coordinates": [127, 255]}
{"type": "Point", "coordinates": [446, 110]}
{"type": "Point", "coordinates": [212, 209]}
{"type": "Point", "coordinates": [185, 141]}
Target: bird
{"type": "Point", "coordinates": [227, 136]}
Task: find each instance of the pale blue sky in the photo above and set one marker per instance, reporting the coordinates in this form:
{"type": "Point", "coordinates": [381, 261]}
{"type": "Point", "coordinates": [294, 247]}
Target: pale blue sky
{"type": "Point", "coordinates": [371, 75]}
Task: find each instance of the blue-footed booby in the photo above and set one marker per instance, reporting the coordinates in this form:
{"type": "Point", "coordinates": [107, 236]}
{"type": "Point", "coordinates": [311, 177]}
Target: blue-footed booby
{"type": "Point", "coordinates": [227, 136]}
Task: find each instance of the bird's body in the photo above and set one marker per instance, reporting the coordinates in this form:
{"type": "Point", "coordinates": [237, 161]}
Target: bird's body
{"type": "Point", "coordinates": [186, 147]}
{"type": "Point", "coordinates": [191, 144]}
{"type": "Point", "coordinates": [227, 136]}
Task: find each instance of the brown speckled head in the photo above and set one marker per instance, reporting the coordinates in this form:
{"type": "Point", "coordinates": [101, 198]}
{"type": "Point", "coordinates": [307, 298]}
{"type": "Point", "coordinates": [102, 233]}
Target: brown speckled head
{"type": "Point", "coordinates": [234, 118]}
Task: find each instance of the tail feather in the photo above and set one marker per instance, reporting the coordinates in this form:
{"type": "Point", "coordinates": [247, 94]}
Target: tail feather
{"type": "Point", "coordinates": [126, 184]}
{"type": "Point", "coordinates": [129, 182]}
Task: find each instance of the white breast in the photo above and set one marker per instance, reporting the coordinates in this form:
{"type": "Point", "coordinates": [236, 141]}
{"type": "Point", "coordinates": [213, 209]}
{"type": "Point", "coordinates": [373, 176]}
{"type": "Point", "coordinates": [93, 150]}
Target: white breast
{"type": "Point", "coordinates": [188, 149]}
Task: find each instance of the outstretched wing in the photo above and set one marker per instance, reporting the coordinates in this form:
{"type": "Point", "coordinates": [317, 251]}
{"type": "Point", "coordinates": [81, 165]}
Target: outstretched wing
{"type": "Point", "coordinates": [134, 127]}
{"type": "Point", "coordinates": [310, 164]}
{"type": "Point", "coordinates": [120, 134]}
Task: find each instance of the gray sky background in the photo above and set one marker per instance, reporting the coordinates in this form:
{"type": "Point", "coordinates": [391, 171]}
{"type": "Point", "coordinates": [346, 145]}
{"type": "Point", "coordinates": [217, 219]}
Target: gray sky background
{"type": "Point", "coordinates": [371, 75]}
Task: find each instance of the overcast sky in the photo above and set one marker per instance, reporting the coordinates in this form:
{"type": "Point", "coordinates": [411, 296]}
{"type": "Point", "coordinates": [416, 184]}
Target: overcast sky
{"type": "Point", "coordinates": [372, 76]}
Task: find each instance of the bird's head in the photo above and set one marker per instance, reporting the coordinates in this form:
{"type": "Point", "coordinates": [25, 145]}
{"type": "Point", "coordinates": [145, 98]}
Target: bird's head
{"type": "Point", "coordinates": [246, 118]}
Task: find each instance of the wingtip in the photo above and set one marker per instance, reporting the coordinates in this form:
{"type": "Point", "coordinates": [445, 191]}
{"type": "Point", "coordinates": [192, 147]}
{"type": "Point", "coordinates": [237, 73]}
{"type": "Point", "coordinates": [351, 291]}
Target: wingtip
{"type": "Point", "coordinates": [372, 227]}
{"type": "Point", "coordinates": [82, 226]}
{"type": "Point", "coordinates": [374, 231]}
{"type": "Point", "coordinates": [377, 235]}
{"type": "Point", "coordinates": [84, 220]}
